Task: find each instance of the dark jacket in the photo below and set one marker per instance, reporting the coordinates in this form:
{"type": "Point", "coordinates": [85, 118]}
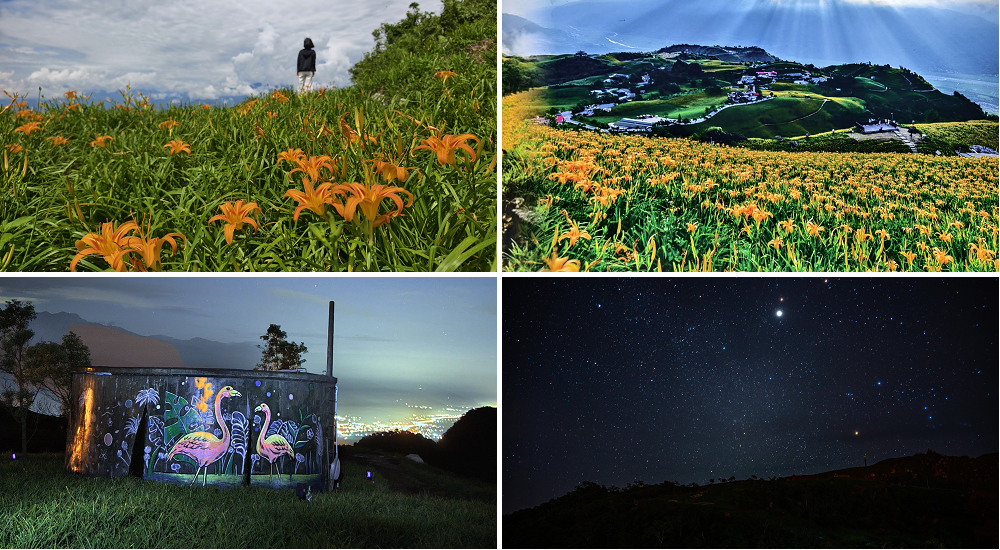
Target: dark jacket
{"type": "Point", "coordinates": [307, 61]}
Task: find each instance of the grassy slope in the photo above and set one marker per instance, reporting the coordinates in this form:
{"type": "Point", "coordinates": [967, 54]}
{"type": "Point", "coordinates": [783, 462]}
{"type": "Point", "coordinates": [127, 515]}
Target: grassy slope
{"type": "Point", "coordinates": [53, 195]}
{"type": "Point", "coordinates": [778, 117]}
{"type": "Point", "coordinates": [948, 136]}
{"type": "Point", "coordinates": [41, 507]}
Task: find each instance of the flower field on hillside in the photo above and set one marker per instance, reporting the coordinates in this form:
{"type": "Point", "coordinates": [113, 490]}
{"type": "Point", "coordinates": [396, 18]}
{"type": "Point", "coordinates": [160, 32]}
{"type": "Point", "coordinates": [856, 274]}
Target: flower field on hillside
{"type": "Point", "coordinates": [617, 203]}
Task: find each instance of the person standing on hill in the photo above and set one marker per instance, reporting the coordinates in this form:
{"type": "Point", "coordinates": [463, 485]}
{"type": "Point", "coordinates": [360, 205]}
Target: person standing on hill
{"type": "Point", "coordinates": [306, 68]}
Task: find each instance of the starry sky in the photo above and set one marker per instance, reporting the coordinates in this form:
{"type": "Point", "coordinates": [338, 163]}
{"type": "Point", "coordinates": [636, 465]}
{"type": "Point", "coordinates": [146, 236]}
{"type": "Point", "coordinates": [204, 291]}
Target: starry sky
{"type": "Point", "coordinates": [613, 380]}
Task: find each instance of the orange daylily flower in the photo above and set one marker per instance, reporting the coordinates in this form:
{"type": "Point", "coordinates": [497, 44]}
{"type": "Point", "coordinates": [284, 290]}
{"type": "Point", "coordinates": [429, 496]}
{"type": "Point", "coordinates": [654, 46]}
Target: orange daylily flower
{"type": "Point", "coordinates": [368, 200]}
{"type": "Point", "coordinates": [58, 140]}
{"type": "Point", "coordinates": [70, 94]}
{"type": "Point", "coordinates": [27, 128]}
{"type": "Point", "coordinates": [445, 147]}
{"type": "Point", "coordinates": [776, 243]}
{"type": "Point", "coordinates": [390, 171]}
{"type": "Point", "coordinates": [945, 236]}
{"type": "Point", "coordinates": [861, 236]}
{"type": "Point", "coordinates": [555, 264]}
{"type": "Point", "coordinates": [13, 148]}
{"type": "Point", "coordinates": [982, 254]}
{"type": "Point", "coordinates": [277, 95]}
{"type": "Point", "coordinates": [908, 255]}
{"type": "Point", "coordinates": [787, 225]}
{"type": "Point", "coordinates": [443, 75]}
{"type": "Point", "coordinates": [234, 214]}
{"type": "Point", "coordinates": [691, 227]}
{"type": "Point", "coordinates": [942, 256]}
{"type": "Point", "coordinates": [573, 234]}
{"type": "Point", "coordinates": [312, 165]}
{"type": "Point", "coordinates": [108, 243]}
{"type": "Point", "coordinates": [176, 146]}
{"type": "Point", "coordinates": [99, 142]}
{"type": "Point", "coordinates": [313, 199]}
{"type": "Point", "coordinates": [169, 124]}
{"type": "Point", "coordinates": [149, 249]}
{"type": "Point", "coordinates": [291, 155]}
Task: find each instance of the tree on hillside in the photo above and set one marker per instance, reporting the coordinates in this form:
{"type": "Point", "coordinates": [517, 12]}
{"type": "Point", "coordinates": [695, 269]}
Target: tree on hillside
{"type": "Point", "coordinates": [279, 353]}
{"type": "Point", "coordinates": [14, 338]}
{"type": "Point", "coordinates": [54, 364]}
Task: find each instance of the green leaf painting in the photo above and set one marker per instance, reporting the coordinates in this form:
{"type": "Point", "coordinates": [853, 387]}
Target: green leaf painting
{"type": "Point", "coordinates": [177, 416]}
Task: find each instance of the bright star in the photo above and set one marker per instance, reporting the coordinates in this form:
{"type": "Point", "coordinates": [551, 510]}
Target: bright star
{"type": "Point", "coordinates": [779, 313]}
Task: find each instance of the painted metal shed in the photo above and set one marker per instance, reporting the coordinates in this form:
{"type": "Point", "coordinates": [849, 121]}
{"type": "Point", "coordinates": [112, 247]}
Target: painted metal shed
{"type": "Point", "coordinates": [226, 427]}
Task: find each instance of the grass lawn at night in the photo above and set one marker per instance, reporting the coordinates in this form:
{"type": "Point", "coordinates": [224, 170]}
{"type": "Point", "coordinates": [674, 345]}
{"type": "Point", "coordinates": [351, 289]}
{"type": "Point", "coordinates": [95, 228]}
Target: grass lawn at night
{"type": "Point", "coordinates": [42, 507]}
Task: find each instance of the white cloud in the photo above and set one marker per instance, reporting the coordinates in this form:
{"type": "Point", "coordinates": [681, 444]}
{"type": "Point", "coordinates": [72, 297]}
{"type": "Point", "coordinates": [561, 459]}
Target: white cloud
{"type": "Point", "coordinates": [204, 49]}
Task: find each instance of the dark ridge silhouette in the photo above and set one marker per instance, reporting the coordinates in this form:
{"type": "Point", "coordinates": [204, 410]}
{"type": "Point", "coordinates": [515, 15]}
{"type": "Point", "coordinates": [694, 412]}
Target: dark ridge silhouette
{"type": "Point", "coordinates": [925, 500]}
{"type": "Point", "coordinates": [401, 442]}
{"type": "Point", "coordinates": [469, 447]}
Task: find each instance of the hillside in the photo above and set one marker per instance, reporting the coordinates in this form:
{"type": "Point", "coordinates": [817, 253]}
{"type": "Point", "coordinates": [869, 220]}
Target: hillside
{"type": "Point", "coordinates": [655, 204]}
{"type": "Point", "coordinates": [745, 91]}
{"type": "Point", "coordinates": [220, 188]}
{"type": "Point", "coordinates": [918, 501]}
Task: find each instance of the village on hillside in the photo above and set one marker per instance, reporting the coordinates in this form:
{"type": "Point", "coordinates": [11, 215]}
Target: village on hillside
{"type": "Point", "coordinates": [679, 92]}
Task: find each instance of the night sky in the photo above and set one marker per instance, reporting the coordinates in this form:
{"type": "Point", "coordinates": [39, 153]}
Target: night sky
{"type": "Point", "coordinates": [613, 380]}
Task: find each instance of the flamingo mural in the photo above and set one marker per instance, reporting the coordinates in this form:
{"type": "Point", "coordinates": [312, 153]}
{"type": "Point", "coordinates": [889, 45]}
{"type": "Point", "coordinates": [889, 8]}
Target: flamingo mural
{"type": "Point", "coordinates": [272, 447]}
{"type": "Point", "coordinates": [203, 447]}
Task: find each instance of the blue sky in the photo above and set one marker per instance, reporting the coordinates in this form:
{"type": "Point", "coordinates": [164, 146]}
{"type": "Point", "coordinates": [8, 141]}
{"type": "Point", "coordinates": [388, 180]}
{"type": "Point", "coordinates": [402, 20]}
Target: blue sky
{"type": "Point", "coordinates": [393, 334]}
{"type": "Point", "coordinates": [202, 51]}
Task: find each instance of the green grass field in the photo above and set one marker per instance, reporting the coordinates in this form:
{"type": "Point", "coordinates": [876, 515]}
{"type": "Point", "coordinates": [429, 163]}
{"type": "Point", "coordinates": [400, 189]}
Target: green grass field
{"type": "Point", "coordinates": [42, 507]}
{"type": "Point", "coordinates": [784, 116]}
{"type": "Point", "coordinates": [948, 136]}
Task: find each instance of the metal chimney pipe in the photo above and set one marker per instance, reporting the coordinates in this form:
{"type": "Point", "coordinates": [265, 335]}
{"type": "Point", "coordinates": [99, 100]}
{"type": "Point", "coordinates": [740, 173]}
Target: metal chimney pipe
{"type": "Point", "coordinates": [329, 343]}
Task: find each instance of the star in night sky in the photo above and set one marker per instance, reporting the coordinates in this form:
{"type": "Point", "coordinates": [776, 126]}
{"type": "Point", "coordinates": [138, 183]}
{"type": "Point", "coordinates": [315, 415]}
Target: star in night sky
{"type": "Point", "coordinates": [613, 380]}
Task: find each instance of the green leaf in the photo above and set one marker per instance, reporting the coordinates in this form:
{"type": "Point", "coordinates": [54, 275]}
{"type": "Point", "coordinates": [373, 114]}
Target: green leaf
{"type": "Point", "coordinates": [177, 416]}
{"type": "Point", "coordinates": [458, 256]}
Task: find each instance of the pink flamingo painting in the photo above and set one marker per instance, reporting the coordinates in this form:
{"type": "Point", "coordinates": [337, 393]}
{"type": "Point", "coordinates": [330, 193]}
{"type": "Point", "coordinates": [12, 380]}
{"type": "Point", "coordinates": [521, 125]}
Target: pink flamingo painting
{"type": "Point", "coordinates": [204, 448]}
{"type": "Point", "coordinates": [272, 447]}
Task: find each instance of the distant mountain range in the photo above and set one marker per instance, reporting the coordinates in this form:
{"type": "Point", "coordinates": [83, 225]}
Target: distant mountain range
{"type": "Point", "coordinates": [116, 347]}
{"type": "Point", "coordinates": [921, 38]}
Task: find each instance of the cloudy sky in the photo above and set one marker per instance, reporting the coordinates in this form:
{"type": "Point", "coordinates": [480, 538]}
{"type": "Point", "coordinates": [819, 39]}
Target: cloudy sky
{"type": "Point", "coordinates": [206, 50]}
{"type": "Point", "coordinates": [519, 7]}
{"type": "Point", "coordinates": [393, 334]}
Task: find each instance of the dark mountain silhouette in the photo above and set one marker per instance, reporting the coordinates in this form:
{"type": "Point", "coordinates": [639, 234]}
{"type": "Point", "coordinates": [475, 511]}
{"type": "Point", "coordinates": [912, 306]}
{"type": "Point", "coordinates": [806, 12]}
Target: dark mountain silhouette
{"type": "Point", "coordinates": [400, 442]}
{"type": "Point", "coordinates": [923, 500]}
{"type": "Point", "coordinates": [469, 447]}
{"type": "Point", "coordinates": [195, 352]}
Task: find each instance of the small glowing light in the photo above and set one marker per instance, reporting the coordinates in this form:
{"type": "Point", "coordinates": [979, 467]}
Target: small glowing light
{"type": "Point", "coordinates": [13, 456]}
{"type": "Point", "coordinates": [779, 313]}
{"type": "Point", "coordinates": [855, 433]}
